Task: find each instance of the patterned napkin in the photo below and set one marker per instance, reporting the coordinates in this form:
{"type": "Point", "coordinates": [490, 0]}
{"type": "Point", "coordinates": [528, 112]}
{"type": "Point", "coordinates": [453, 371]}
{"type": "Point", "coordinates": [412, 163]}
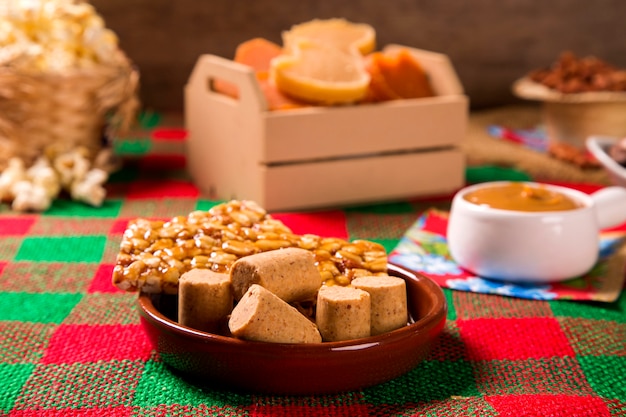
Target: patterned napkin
{"type": "Point", "coordinates": [533, 138]}
{"type": "Point", "coordinates": [424, 249]}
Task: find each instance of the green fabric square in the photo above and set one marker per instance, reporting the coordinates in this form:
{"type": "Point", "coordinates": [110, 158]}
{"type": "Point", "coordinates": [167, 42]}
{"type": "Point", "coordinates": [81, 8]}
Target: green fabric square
{"type": "Point", "coordinates": [65, 207]}
{"type": "Point", "coordinates": [159, 385]}
{"type": "Point", "coordinates": [62, 249]}
{"type": "Point", "coordinates": [429, 381]}
{"type": "Point", "coordinates": [206, 205]}
{"type": "Point", "coordinates": [448, 293]}
{"type": "Point", "coordinates": [606, 375]}
{"type": "Point", "coordinates": [388, 244]}
{"type": "Point", "coordinates": [615, 311]}
{"type": "Point", "coordinates": [130, 172]}
{"type": "Point", "coordinates": [149, 119]}
{"type": "Point", "coordinates": [494, 173]}
{"type": "Point", "coordinates": [37, 308]}
{"type": "Point", "coordinates": [389, 208]}
{"type": "Point", "coordinates": [132, 146]}
{"type": "Point", "coordinates": [13, 378]}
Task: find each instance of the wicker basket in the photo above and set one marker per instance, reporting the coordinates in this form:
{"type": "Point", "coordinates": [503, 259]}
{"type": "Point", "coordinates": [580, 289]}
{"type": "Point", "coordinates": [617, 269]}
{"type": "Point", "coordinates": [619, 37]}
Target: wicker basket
{"type": "Point", "coordinates": [42, 112]}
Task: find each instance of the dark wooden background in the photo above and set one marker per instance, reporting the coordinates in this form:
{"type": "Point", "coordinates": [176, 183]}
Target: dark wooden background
{"type": "Point", "coordinates": [490, 42]}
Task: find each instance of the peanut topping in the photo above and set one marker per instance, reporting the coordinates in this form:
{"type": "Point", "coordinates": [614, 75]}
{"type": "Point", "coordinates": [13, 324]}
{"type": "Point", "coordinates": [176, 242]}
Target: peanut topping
{"type": "Point", "coordinates": [154, 254]}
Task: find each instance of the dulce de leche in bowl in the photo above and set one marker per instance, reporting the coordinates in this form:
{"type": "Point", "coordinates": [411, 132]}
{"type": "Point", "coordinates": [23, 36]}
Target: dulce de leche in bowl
{"type": "Point", "coordinates": [530, 232]}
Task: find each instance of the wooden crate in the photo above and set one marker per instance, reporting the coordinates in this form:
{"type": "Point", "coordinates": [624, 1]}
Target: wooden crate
{"type": "Point", "coordinates": [323, 156]}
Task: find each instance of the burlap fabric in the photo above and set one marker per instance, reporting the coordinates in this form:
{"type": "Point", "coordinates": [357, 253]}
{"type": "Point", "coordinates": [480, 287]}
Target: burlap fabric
{"type": "Point", "coordinates": [483, 149]}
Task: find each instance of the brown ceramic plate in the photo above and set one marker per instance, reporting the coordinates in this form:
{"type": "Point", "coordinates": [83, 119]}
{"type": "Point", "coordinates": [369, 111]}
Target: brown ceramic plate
{"type": "Point", "coordinates": [298, 369]}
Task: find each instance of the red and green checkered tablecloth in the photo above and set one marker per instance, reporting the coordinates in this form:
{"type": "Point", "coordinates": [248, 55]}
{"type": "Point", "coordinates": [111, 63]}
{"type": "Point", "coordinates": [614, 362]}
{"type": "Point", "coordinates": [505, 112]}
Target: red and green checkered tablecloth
{"type": "Point", "coordinates": [72, 345]}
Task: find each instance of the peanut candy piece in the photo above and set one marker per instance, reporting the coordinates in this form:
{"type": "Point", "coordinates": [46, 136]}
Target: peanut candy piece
{"type": "Point", "coordinates": [154, 254]}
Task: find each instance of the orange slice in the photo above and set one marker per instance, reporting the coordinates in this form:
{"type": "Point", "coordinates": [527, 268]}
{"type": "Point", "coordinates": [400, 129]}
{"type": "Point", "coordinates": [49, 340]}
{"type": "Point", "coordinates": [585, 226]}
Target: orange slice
{"type": "Point", "coordinates": [322, 74]}
{"type": "Point", "coordinates": [338, 33]}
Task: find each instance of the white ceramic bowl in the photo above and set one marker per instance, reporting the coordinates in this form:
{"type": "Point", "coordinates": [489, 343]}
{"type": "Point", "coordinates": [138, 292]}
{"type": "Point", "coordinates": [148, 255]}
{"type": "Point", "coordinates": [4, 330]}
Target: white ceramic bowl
{"type": "Point", "coordinates": [599, 147]}
{"type": "Point", "coordinates": [538, 247]}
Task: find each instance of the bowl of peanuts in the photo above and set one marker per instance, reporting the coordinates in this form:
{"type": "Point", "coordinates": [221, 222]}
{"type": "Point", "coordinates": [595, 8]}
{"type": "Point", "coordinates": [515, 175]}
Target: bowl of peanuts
{"type": "Point", "coordinates": [581, 96]}
{"type": "Point", "coordinates": [216, 359]}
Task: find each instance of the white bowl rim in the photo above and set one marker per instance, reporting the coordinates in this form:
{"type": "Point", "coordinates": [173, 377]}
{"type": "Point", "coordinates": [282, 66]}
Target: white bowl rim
{"type": "Point", "coordinates": [477, 208]}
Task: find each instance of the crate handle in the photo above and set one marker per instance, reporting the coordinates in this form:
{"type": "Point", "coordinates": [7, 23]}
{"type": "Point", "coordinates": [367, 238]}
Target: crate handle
{"type": "Point", "coordinates": [210, 67]}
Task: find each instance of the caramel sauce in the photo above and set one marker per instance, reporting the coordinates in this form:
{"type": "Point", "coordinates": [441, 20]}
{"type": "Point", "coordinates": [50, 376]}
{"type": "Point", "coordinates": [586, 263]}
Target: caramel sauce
{"type": "Point", "coordinates": [521, 197]}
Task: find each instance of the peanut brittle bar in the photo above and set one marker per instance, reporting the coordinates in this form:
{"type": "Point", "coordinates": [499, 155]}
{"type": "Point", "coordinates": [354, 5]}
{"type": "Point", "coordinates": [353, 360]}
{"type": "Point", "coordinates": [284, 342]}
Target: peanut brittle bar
{"type": "Point", "coordinates": [154, 254]}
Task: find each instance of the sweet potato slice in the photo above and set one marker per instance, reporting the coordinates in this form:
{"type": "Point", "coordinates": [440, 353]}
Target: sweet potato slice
{"type": "Point", "coordinates": [257, 53]}
{"type": "Point", "coordinates": [396, 76]}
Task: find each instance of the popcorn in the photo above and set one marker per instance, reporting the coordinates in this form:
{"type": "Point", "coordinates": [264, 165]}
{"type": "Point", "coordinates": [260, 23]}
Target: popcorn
{"type": "Point", "coordinates": [71, 166]}
{"type": "Point", "coordinates": [14, 173]}
{"type": "Point", "coordinates": [90, 188]}
{"type": "Point", "coordinates": [31, 189]}
{"type": "Point", "coordinates": [30, 197]}
{"type": "Point", "coordinates": [42, 174]}
{"type": "Point", "coordinates": [35, 188]}
{"type": "Point", "coordinates": [53, 35]}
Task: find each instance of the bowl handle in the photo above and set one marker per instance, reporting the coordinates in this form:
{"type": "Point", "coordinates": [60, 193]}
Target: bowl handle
{"type": "Point", "coordinates": [610, 206]}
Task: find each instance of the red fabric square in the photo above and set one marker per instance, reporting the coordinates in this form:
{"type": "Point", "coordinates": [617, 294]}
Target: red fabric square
{"type": "Point", "coordinates": [548, 405]}
{"type": "Point", "coordinates": [159, 162]}
{"type": "Point", "coordinates": [88, 343]}
{"type": "Point", "coordinates": [143, 189]}
{"type": "Point", "coordinates": [326, 224]}
{"type": "Point", "coordinates": [169, 133]}
{"type": "Point", "coordinates": [513, 338]}
{"type": "Point", "coordinates": [587, 188]}
{"type": "Point", "coordinates": [102, 280]}
{"type": "Point", "coordinates": [436, 224]}
{"type": "Point", "coordinates": [16, 226]}
{"type": "Point", "coordinates": [119, 227]}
